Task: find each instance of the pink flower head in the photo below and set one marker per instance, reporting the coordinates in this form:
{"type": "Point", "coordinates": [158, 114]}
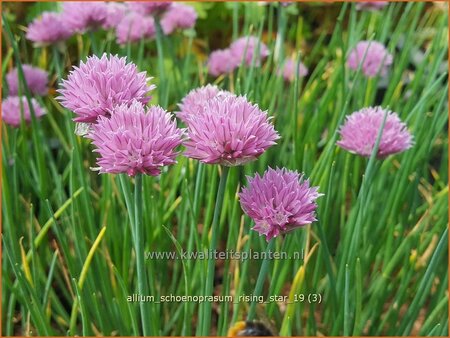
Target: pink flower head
{"type": "Point", "coordinates": [11, 110]}
{"type": "Point", "coordinates": [360, 131]}
{"type": "Point", "coordinates": [149, 7]}
{"type": "Point", "coordinates": [221, 62]}
{"type": "Point", "coordinates": [134, 27]}
{"type": "Point", "coordinates": [80, 16]}
{"type": "Point", "coordinates": [178, 16]}
{"type": "Point", "coordinates": [279, 201]}
{"type": "Point", "coordinates": [244, 48]}
{"type": "Point", "coordinates": [48, 29]}
{"type": "Point", "coordinates": [371, 5]}
{"type": "Point", "coordinates": [194, 101]}
{"type": "Point", "coordinates": [289, 68]}
{"type": "Point", "coordinates": [136, 141]}
{"type": "Point", "coordinates": [36, 79]}
{"type": "Point", "coordinates": [229, 131]}
{"type": "Point", "coordinates": [372, 55]}
{"type": "Point", "coordinates": [95, 87]}
{"type": "Point", "coordinates": [116, 11]}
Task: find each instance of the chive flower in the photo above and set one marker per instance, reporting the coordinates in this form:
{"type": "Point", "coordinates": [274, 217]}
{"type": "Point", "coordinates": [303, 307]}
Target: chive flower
{"type": "Point", "coordinates": [11, 110]}
{"type": "Point", "coordinates": [115, 12]}
{"type": "Point", "coordinates": [244, 48]}
{"type": "Point", "coordinates": [193, 102]}
{"type": "Point", "coordinates": [80, 16]}
{"type": "Point", "coordinates": [48, 29]}
{"type": "Point", "coordinates": [229, 131]}
{"type": "Point", "coordinates": [136, 140]}
{"type": "Point", "coordinates": [220, 62]}
{"type": "Point", "coordinates": [36, 79]}
{"type": "Point", "coordinates": [373, 57]}
{"type": "Point", "coordinates": [95, 87]}
{"type": "Point", "coordinates": [360, 131]}
{"type": "Point", "coordinates": [279, 201]}
{"type": "Point", "coordinates": [178, 16]}
{"type": "Point", "coordinates": [135, 26]}
{"type": "Point", "coordinates": [289, 69]}
{"type": "Point", "coordinates": [149, 7]}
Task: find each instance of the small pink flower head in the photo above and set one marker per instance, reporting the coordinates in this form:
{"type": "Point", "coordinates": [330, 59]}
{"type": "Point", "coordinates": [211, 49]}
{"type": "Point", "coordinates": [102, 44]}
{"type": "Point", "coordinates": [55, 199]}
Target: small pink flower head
{"type": "Point", "coordinates": [149, 7]}
{"type": "Point", "coordinates": [289, 68]}
{"type": "Point", "coordinates": [229, 131]}
{"type": "Point", "coordinates": [48, 29]}
{"type": "Point", "coordinates": [371, 5]}
{"type": "Point", "coordinates": [36, 79]}
{"type": "Point", "coordinates": [279, 201]}
{"type": "Point", "coordinates": [95, 87]}
{"type": "Point", "coordinates": [116, 11]}
{"type": "Point", "coordinates": [244, 48]}
{"type": "Point", "coordinates": [194, 101]}
{"type": "Point", "coordinates": [178, 16]}
{"type": "Point", "coordinates": [360, 131]}
{"type": "Point", "coordinates": [80, 16]}
{"type": "Point", "coordinates": [372, 55]}
{"type": "Point", "coordinates": [135, 140]}
{"type": "Point", "coordinates": [221, 62]}
{"type": "Point", "coordinates": [11, 110]}
{"type": "Point", "coordinates": [134, 27]}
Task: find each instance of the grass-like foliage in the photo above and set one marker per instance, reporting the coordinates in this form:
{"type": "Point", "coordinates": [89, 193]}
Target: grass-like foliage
{"type": "Point", "coordinates": [374, 263]}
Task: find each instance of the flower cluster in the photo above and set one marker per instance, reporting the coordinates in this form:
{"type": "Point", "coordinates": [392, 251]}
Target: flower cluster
{"type": "Point", "coordinates": [48, 29]}
{"type": "Point", "coordinates": [279, 201]}
{"type": "Point", "coordinates": [95, 87]}
{"type": "Point", "coordinates": [360, 131]}
{"type": "Point", "coordinates": [289, 69]}
{"type": "Point", "coordinates": [248, 50]}
{"type": "Point", "coordinates": [14, 106]}
{"type": "Point", "coordinates": [372, 56]}
{"type": "Point", "coordinates": [35, 78]}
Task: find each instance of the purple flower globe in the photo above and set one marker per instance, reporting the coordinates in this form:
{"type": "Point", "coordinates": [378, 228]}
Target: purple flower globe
{"type": "Point", "coordinates": [36, 79]}
{"type": "Point", "coordinates": [221, 62]}
{"type": "Point", "coordinates": [48, 29]}
{"type": "Point", "coordinates": [134, 27]}
{"type": "Point", "coordinates": [95, 87]}
{"type": "Point", "coordinates": [244, 48]}
{"type": "Point", "coordinates": [229, 131]}
{"type": "Point", "coordinates": [11, 110]}
{"type": "Point", "coordinates": [116, 11]}
{"type": "Point", "coordinates": [194, 101]}
{"type": "Point", "coordinates": [149, 7]}
{"type": "Point", "coordinates": [80, 16]}
{"type": "Point", "coordinates": [289, 69]}
{"type": "Point", "coordinates": [373, 57]}
{"type": "Point", "coordinates": [178, 16]}
{"type": "Point", "coordinates": [135, 140]}
{"type": "Point", "coordinates": [360, 131]}
{"type": "Point", "coordinates": [279, 201]}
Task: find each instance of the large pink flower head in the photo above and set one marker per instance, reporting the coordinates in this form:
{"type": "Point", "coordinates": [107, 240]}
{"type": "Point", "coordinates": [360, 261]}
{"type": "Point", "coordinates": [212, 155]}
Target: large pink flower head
{"type": "Point", "coordinates": [221, 62]}
{"type": "Point", "coordinates": [178, 16]}
{"type": "Point", "coordinates": [289, 69]}
{"type": "Point", "coordinates": [229, 131]}
{"type": "Point", "coordinates": [95, 87]}
{"type": "Point", "coordinates": [134, 27]}
{"type": "Point", "coordinates": [48, 29]}
{"type": "Point", "coordinates": [11, 110]}
{"type": "Point", "coordinates": [360, 131]}
{"type": "Point", "coordinates": [244, 48]}
{"type": "Point", "coordinates": [373, 57]}
{"type": "Point", "coordinates": [80, 16]}
{"type": "Point", "coordinates": [116, 11]}
{"type": "Point", "coordinates": [135, 140]}
{"type": "Point", "coordinates": [279, 201]}
{"type": "Point", "coordinates": [36, 79]}
{"type": "Point", "coordinates": [194, 101]}
{"type": "Point", "coordinates": [149, 7]}
{"type": "Point", "coordinates": [371, 5]}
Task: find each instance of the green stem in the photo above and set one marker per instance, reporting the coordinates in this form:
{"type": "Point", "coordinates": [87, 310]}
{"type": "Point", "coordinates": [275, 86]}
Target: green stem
{"type": "Point", "coordinates": [206, 317]}
{"type": "Point", "coordinates": [139, 250]}
{"type": "Point", "coordinates": [260, 281]}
